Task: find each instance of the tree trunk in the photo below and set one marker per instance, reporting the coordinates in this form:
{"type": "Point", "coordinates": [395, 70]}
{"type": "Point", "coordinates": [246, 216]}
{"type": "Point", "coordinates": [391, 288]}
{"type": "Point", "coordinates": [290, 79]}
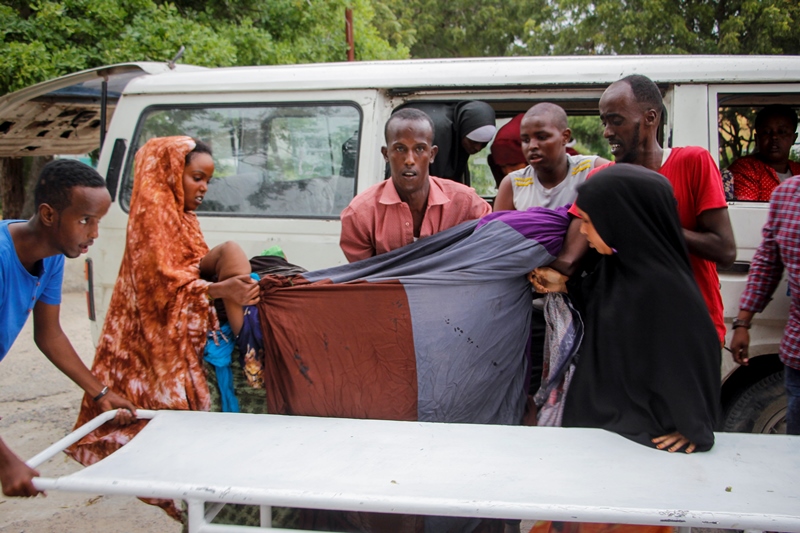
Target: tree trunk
{"type": "Point", "coordinates": [12, 187]}
{"type": "Point", "coordinates": [32, 169]}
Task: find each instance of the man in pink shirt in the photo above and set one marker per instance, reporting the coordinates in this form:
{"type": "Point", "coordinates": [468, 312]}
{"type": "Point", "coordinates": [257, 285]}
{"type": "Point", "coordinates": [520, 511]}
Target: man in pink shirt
{"type": "Point", "coordinates": [412, 204]}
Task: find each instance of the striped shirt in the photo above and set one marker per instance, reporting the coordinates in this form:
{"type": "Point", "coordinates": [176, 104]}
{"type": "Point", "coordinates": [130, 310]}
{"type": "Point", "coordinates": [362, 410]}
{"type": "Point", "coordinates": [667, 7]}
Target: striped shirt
{"type": "Point", "coordinates": [779, 250]}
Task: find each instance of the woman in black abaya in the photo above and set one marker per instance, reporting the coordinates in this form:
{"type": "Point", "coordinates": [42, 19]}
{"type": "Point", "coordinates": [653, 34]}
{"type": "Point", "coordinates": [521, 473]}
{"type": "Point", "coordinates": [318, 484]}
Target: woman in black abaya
{"type": "Point", "coordinates": [649, 363]}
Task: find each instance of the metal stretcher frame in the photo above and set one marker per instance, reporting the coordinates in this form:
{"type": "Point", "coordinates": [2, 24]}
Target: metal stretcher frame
{"type": "Point", "coordinates": [568, 474]}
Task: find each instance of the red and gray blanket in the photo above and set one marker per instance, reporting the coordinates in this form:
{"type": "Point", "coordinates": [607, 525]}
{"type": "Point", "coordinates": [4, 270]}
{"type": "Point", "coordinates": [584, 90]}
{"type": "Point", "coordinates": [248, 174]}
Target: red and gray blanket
{"type": "Point", "coordinates": [436, 331]}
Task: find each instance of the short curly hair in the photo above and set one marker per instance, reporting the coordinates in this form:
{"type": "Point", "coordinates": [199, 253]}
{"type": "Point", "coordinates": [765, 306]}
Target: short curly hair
{"type": "Point", "coordinates": [645, 91]}
{"type": "Point", "coordinates": [57, 179]}
{"type": "Point", "coordinates": [410, 114]}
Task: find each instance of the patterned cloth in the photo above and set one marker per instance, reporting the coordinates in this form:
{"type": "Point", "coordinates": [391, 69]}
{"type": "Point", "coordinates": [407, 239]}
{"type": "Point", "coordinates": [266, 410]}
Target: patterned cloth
{"type": "Point", "coordinates": [561, 342]}
{"type": "Point", "coordinates": [779, 249]}
{"type": "Point", "coordinates": [755, 180]}
{"type": "Point", "coordinates": [727, 184]}
{"type": "Point", "coordinates": [251, 401]}
{"type": "Point", "coordinates": [152, 340]}
{"type": "Point", "coordinates": [378, 221]}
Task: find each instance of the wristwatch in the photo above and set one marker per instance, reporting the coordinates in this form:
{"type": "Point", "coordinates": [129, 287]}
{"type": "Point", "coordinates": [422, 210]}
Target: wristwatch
{"type": "Point", "coordinates": [739, 323]}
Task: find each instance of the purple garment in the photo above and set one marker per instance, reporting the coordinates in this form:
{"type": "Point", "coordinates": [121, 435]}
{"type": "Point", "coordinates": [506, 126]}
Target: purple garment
{"type": "Point", "coordinates": [533, 223]}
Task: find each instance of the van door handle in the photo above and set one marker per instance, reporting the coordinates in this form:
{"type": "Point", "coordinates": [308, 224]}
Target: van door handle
{"type": "Point", "coordinates": [738, 267]}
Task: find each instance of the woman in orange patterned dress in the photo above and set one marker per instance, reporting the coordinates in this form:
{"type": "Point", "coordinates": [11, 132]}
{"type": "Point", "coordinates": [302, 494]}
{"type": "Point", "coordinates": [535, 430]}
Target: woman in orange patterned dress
{"type": "Point", "coordinates": [151, 346]}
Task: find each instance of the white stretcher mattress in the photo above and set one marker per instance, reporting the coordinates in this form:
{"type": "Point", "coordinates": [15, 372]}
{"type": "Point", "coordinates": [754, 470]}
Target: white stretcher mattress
{"type": "Point", "coordinates": [588, 475]}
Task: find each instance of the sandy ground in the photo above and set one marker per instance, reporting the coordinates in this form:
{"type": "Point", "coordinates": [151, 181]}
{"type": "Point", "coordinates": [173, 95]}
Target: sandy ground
{"type": "Point", "coordinates": [39, 405]}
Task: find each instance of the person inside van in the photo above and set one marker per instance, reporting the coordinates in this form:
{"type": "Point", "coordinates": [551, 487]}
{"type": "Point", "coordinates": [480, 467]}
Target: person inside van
{"type": "Point", "coordinates": [161, 311]}
{"type": "Point", "coordinates": [412, 204]}
{"type": "Point", "coordinates": [631, 110]}
{"type": "Point", "coordinates": [755, 176]}
{"type": "Point", "coordinates": [505, 155]}
{"type": "Point", "coordinates": [460, 130]}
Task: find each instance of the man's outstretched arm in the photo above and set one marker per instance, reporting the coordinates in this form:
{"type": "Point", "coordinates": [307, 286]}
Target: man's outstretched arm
{"type": "Point", "coordinates": [572, 251]}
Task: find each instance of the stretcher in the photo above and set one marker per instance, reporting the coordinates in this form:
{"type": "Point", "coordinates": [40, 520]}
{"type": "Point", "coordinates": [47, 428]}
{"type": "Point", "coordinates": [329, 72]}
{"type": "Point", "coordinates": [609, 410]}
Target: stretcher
{"type": "Point", "coordinates": [569, 474]}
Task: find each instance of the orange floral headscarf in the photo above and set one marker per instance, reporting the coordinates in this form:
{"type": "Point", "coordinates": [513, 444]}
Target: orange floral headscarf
{"type": "Point", "coordinates": [151, 346]}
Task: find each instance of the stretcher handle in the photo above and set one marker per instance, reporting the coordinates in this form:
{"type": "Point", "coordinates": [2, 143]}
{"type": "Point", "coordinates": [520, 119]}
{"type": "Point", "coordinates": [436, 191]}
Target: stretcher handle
{"type": "Point", "coordinates": [78, 434]}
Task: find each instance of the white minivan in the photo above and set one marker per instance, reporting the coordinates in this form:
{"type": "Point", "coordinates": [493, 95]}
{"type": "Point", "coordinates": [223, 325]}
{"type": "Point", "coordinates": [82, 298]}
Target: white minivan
{"type": "Point", "coordinates": [294, 144]}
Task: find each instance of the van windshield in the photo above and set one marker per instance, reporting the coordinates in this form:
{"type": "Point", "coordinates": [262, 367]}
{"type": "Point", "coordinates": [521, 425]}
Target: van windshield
{"type": "Point", "coordinates": [291, 160]}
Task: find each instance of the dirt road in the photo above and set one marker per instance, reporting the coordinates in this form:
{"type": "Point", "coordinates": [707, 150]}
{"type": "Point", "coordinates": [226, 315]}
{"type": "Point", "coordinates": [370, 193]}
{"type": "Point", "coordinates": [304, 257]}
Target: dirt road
{"type": "Point", "coordinates": [39, 405]}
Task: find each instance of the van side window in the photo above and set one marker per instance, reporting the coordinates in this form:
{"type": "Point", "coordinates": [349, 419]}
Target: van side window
{"type": "Point", "coordinates": [295, 160]}
{"type": "Point", "coordinates": [746, 175]}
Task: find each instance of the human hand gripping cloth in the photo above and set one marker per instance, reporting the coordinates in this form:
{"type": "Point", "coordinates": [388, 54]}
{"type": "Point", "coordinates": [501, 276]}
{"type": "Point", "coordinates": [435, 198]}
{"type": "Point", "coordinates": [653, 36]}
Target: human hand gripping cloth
{"type": "Point", "coordinates": [435, 331]}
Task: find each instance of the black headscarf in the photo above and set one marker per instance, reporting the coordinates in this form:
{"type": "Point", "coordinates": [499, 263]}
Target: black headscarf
{"type": "Point", "coordinates": [451, 123]}
{"type": "Point", "coordinates": [650, 361]}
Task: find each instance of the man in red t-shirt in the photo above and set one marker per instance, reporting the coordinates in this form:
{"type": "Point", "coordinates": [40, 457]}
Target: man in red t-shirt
{"type": "Point", "coordinates": [755, 176]}
{"type": "Point", "coordinates": [631, 113]}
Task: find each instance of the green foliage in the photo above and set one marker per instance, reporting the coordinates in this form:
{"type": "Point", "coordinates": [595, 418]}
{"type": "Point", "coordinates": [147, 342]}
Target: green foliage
{"type": "Point", "coordinates": [44, 39]}
{"type": "Point", "coordinates": [465, 28]}
{"type": "Point", "coordinates": [667, 27]}
{"type": "Point", "coordinates": [469, 28]}
{"type": "Point", "coordinates": [588, 134]}
{"type": "Point", "coordinates": [736, 134]}
{"type": "Point", "coordinates": [480, 174]}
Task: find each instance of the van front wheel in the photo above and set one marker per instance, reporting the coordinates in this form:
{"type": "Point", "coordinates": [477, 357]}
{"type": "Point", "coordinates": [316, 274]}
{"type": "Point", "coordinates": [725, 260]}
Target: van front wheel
{"type": "Point", "coordinates": [760, 408]}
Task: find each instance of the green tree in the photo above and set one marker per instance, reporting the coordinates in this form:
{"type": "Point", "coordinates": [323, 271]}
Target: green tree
{"type": "Point", "coordinates": [469, 28]}
{"type": "Point", "coordinates": [465, 28]}
{"type": "Point", "coordinates": [588, 134]}
{"type": "Point", "coordinates": [666, 27]}
{"type": "Point", "coordinates": [49, 38]}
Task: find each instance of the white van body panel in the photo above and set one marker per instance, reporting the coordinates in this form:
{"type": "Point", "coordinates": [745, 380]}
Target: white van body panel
{"type": "Point", "coordinates": [689, 127]}
{"type": "Point", "coordinates": [508, 72]}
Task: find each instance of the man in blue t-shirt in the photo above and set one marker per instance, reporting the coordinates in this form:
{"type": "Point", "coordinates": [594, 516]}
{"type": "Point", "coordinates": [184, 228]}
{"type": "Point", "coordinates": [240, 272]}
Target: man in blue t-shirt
{"type": "Point", "coordinates": [70, 199]}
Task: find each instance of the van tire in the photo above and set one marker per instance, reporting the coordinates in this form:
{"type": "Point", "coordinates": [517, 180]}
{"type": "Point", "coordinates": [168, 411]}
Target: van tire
{"type": "Point", "coordinates": [760, 408]}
